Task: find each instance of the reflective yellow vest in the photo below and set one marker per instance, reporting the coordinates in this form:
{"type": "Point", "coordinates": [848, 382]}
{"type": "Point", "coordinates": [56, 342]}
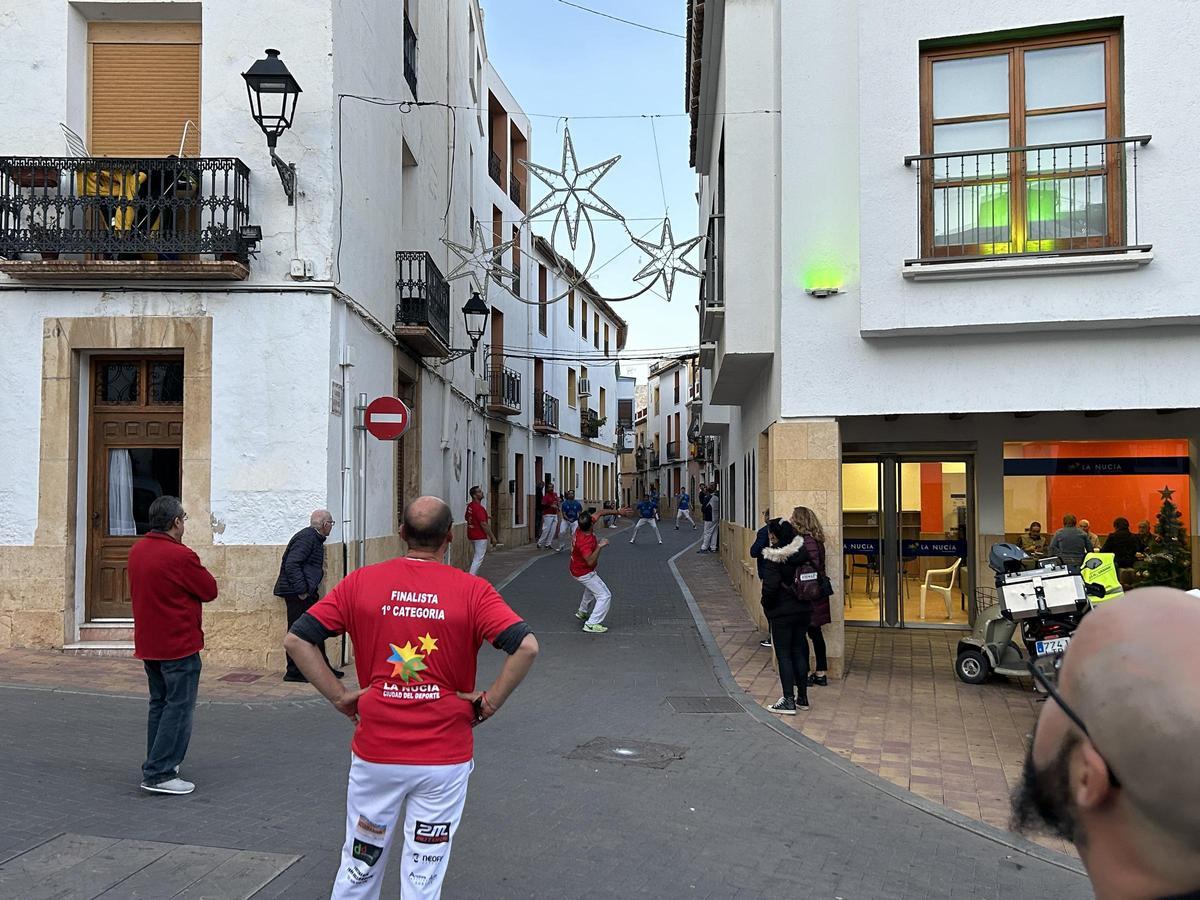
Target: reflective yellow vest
{"type": "Point", "coordinates": [1101, 568]}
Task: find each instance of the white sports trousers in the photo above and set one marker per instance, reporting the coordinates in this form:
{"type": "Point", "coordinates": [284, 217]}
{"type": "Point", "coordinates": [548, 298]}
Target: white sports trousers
{"type": "Point", "coordinates": [433, 797]}
{"type": "Point", "coordinates": [594, 590]}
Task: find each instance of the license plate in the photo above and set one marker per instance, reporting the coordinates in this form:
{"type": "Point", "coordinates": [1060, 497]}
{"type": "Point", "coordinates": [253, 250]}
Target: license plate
{"type": "Point", "coordinates": [1054, 645]}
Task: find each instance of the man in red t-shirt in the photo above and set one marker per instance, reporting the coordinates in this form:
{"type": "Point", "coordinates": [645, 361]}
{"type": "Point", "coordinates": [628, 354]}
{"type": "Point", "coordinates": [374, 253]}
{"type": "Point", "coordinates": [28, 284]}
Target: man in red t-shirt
{"type": "Point", "coordinates": [479, 531]}
{"type": "Point", "coordinates": [585, 555]}
{"type": "Point", "coordinates": [417, 626]}
{"type": "Point", "coordinates": [550, 505]}
{"type": "Point", "coordinates": [168, 586]}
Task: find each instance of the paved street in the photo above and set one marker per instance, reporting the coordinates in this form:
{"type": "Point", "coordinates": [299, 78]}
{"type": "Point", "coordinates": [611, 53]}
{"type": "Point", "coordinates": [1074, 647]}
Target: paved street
{"type": "Point", "coordinates": [747, 811]}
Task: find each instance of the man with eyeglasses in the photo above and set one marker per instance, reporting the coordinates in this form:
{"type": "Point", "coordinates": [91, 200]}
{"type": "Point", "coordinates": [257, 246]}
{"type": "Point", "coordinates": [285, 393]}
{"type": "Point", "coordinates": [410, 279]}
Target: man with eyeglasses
{"type": "Point", "coordinates": [1125, 786]}
{"type": "Point", "coordinates": [168, 586]}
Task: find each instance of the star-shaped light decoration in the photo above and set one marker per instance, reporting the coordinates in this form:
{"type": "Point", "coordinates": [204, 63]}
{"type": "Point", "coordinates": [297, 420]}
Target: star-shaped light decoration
{"type": "Point", "coordinates": [667, 258]}
{"type": "Point", "coordinates": [571, 189]}
{"type": "Point", "coordinates": [428, 643]}
{"type": "Point", "coordinates": [481, 261]}
{"type": "Point", "coordinates": [1166, 493]}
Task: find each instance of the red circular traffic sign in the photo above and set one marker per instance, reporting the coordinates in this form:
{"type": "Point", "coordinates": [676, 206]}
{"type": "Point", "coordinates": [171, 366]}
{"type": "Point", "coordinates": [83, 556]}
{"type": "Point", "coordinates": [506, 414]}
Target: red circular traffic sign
{"type": "Point", "coordinates": [387, 418]}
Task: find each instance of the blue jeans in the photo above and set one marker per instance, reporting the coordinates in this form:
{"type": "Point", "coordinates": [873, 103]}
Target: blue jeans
{"type": "Point", "coordinates": [174, 684]}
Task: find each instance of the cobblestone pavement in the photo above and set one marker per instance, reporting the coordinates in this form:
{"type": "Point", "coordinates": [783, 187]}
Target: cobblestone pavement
{"type": "Point", "coordinates": [746, 812]}
{"type": "Point", "coordinates": [899, 712]}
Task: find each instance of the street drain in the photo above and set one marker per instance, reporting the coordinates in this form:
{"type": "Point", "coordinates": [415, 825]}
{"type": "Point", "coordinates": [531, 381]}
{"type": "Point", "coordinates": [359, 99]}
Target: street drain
{"type": "Point", "coordinates": [240, 677]}
{"type": "Point", "coordinates": [628, 752]}
{"type": "Point", "coordinates": [702, 705]}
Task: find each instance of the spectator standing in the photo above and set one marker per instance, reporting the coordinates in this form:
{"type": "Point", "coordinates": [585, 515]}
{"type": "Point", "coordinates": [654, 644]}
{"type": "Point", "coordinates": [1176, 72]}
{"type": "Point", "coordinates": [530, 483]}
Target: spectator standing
{"type": "Point", "coordinates": [417, 626]}
{"type": "Point", "coordinates": [808, 527]}
{"type": "Point", "coordinates": [550, 515]}
{"type": "Point", "coordinates": [168, 585]}
{"type": "Point", "coordinates": [479, 529]}
{"type": "Point", "coordinates": [648, 512]}
{"type": "Point", "coordinates": [1113, 765]}
{"type": "Point", "coordinates": [714, 502]}
{"type": "Point", "coordinates": [683, 509]}
{"type": "Point", "coordinates": [1069, 543]}
{"type": "Point", "coordinates": [788, 613]}
{"type": "Point", "coordinates": [300, 574]}
{"type": "Point", "coordinates": [762, 540]}
{"type": "Point", "coordinates": [708, 540]}
{"type": "Point", "coordinates": [571, 508]}
{"type": "Point", "coordinates": [585, 556]}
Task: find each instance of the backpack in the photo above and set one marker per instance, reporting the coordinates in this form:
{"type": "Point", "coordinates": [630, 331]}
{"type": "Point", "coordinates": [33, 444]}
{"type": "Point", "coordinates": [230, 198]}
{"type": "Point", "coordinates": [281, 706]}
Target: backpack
{"type": "Point", "coordinates": [810, 583]}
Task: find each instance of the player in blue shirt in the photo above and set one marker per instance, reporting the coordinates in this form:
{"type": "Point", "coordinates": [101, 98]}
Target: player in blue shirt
{"type": "Point", "coordinates": [648, 511]}
{"type": "Point", "coordinates": [683, 509]}
{"type": "Point", "coordinates": [571, 508]}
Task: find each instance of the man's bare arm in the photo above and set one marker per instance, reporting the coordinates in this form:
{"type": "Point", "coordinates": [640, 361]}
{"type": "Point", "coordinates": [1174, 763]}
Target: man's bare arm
{"type": "Point", "coordinates": [512, 673]}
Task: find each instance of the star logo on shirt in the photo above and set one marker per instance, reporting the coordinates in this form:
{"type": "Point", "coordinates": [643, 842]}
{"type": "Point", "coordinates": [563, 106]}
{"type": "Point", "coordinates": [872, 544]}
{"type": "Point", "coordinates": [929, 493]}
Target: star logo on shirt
{"type": "Point", "coordinates": [428, 644]}
{"type": "Point", "coordinates": [406, 662]}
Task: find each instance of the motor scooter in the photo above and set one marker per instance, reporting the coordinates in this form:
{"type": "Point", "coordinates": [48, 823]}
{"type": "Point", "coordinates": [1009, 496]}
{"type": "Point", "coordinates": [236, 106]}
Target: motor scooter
{"type": "Point", "coordinates": [1039, 606]}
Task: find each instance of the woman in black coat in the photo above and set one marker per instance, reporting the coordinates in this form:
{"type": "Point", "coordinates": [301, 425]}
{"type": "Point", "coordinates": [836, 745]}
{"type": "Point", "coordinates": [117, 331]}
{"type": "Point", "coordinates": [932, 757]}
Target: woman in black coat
{"type": "Point", "coordinates": [788, 614]}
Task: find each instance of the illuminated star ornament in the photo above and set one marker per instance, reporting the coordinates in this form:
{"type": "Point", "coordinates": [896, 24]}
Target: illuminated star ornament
{"type": "Point", "coordinates": [667, 258]}
{"type": "Point", "coordinates": [571, 189]}
{"type": "Point", "coordinates": [481, 257]}
{"type": "Point", "coordinates": [1166, 493]}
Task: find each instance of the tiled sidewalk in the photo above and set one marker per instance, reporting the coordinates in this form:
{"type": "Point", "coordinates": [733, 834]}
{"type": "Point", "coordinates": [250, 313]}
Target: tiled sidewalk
{"type": "Point", "coordinates": [52, 670]}
{"type": "Point", "coordinates": [899, 712]}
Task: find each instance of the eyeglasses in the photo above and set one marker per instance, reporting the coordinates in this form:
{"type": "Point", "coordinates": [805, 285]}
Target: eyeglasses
{"type": "Point", "coordinates": [1052, 662]}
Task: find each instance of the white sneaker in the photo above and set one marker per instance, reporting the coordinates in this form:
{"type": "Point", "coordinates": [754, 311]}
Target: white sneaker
{"type": "Point", "coordinates": [171, 786]}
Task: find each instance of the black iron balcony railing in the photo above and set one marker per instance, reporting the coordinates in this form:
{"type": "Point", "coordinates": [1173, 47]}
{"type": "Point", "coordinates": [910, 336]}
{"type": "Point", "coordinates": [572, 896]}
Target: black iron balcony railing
{"type": "Point", "coordinates": [494, 168]}
{"type": "Point", "coordinates": [410, 55]}
{"type": "Point", "coordinates": [672, 450]}
{"type": "Point", "coordinates": [124, 208]}
{"type": "Point", "coordinates": [422, 294]}
{"type": "Point", "coordinates": [505, 387]}
{"type": "Point", "coordinates": [1039, 200]}
{"type": "Point", "coordinates": [515, 188]}
{"type": "Point", "coordinates": [546, 412]}
{"type": "Point", "coordinates": [589, 424]}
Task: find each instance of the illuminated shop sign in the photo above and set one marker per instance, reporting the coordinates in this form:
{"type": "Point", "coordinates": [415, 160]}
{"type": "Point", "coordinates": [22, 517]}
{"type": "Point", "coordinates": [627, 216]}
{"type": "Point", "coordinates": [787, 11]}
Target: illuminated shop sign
{"type": "Point", "coordinates": [1116, 465]}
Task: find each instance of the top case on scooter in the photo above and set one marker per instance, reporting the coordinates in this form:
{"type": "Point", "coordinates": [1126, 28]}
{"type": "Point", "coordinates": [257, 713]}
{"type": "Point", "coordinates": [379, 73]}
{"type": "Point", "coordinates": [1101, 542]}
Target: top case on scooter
{"type": "Point", "coordinates": [1063, 592]}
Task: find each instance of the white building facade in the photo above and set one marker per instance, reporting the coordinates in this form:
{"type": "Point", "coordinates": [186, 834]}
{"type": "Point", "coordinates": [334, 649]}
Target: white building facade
{"type": "Point", "coordinates": [956, 316]}
{"type": "Point", "coordinates": [175, 324]}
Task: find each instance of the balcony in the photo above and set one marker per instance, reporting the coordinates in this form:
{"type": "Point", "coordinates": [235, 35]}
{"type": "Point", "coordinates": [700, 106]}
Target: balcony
{"type": "Point", "coordinates": [1043, 208]}
{"type": "Point", "coordinates": [672, 451]}
{"type": "Point", "coordinates": [640, 416]}
{"type": "Point", "coordinates": [410, 55]}
{"type": "Point", "coordinates": [545, 414]}
{"type": "Point", "coordinates": [695, 395]}
{"type": "Point", "coordinates": [495, 169]}
{"type": "Point", "coordinates": [422, 305]}
{"type": "Point", "coordinates": [712, 312]}
{"type": "Point", "coordinates": [504, 399]}
{"type": "Point", "coordinates": [515, 189]}
{"type": "Point", "coordinates": [124, 218]}
{"type": "Point", "coordinates": [589, 424]}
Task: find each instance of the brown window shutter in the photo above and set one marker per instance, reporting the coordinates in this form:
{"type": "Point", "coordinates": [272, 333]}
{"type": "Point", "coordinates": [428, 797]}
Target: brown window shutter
{"type": "Point", "coordinates": [145, 85]}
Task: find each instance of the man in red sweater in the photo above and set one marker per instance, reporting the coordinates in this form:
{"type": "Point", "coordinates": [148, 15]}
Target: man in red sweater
{"type": "Point", "coordinates": [168, 584]}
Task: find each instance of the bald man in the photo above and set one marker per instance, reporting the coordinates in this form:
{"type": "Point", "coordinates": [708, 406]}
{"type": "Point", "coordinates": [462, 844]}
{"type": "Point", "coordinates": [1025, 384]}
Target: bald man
{"type": "Point", "coordinates": [300, 574]}
{"type": "Point", "coordinates": [417, 626]}
{"type": "Point", "coordinates": [1126, 791]}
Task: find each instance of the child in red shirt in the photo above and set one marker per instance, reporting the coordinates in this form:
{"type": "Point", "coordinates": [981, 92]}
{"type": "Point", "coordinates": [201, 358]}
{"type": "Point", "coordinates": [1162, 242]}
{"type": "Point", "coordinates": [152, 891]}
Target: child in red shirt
{"type": "Point", "coordinates": [585, 555]}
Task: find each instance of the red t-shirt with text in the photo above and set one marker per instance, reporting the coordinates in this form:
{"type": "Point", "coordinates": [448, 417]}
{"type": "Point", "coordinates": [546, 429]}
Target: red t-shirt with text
{"type": "Point", "coordinates": [417, 627]}
{"type": "Point", "coordinates": [476, 517]}
{"type": "Point", "coordinates": [585, 545]}
{"type": "Point", "coordinates": [549, 503]}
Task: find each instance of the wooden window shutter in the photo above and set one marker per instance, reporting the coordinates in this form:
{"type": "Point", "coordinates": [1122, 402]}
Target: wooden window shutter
{"type": "Point", "coordinates": [144, 87]}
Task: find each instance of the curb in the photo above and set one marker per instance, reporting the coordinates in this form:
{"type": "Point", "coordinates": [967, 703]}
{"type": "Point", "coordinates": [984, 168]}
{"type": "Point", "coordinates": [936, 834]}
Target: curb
{"type": "Point", "coordinates": [733, 689]}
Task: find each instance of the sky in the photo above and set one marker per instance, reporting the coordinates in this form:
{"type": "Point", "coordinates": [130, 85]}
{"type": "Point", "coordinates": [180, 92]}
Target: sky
{"type": "Point", "coordinates": [558, 60]}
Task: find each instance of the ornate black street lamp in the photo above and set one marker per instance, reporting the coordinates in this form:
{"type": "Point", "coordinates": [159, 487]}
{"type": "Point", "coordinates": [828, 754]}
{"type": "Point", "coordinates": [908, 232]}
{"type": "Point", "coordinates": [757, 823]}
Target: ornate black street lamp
{"type": "Point", "coordinates": [273, 93]}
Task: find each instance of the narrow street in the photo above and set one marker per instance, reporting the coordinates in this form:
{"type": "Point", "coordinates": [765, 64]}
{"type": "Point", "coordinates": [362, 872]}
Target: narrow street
{"type": "Point", "coordinates": [732, 808]}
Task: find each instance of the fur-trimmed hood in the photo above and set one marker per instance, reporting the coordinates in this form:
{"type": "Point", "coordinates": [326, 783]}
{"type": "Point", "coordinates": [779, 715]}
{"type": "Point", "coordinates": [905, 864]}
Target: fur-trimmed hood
{"type": "Point", "coordinates": [783, 554]}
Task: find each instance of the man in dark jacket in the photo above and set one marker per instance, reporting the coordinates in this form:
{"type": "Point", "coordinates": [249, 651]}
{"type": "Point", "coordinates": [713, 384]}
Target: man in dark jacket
{"type": "Point", "coordinates": [762, 540]}
{"type": "Point", "coordinates": [1122, 544]}
{"type": "Point", "coordinates": [168, 585]}
{"type": "Point", "coordinates": [300, 575]}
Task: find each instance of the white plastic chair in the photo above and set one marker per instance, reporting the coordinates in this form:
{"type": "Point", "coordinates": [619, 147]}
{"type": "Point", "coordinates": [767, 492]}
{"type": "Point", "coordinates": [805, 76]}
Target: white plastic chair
{"type": "Point", "coordinates": [944, 591]}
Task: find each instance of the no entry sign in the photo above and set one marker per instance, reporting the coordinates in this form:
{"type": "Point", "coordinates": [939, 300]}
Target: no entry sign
{"type": "Point", "coordinates": [387, 418]}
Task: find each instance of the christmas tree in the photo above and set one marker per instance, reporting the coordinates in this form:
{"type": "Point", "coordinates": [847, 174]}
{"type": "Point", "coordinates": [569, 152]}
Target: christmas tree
{"type": "Point", "coordinates": [1168, 559]}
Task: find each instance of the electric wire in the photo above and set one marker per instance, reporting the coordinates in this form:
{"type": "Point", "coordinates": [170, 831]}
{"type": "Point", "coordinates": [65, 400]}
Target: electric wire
{"type": "Point", "coordinates": [597, 12]}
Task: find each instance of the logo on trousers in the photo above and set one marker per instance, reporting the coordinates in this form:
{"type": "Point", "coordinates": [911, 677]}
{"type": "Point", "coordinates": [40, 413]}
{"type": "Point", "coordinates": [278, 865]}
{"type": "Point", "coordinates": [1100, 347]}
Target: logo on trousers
{"type": "Point", "coordinates": [432, 833]}
{"type": "Point", "coordinates": [368, 853]}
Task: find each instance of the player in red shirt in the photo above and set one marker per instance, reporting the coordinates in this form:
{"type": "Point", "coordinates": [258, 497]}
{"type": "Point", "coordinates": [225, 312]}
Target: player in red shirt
{"type": "Point", "coordinates": [585, 555]}
{"type": "Point", "coordinates": [550, 515]}
{"type": "Point", "coordinates": [479, 532]}
{"type": "Point", "coordinates": [417, 626]}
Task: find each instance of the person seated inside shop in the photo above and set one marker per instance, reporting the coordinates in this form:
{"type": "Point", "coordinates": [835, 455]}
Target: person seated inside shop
{"type": "Point", "coordinates": [1033, 541]}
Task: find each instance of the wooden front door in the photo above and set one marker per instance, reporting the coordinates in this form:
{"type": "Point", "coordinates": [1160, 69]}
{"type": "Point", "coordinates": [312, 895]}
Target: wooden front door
{"type": "Point", "coordinates": [135, 448]}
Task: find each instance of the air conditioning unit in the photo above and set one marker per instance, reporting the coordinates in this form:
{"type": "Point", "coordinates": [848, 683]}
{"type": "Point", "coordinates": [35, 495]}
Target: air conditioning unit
{"type": "Point", "coordinates": [585, 388]}
{"type": "Point", "coordinates": [482, 388]}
